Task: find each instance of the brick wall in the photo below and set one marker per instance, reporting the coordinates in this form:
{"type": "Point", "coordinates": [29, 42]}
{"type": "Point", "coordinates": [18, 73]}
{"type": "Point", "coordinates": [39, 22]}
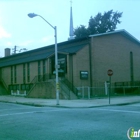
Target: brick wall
{"type": "Point", "coordinates": [107, 52]}
{"type": "Point", "coordinates": [113, 52]}
{"type": "Point", "coordinates": [81, 63]}
{"type": "Point", "coordinates": [33, 70]}
{"type": "Point", "coordinates": [6, 75]}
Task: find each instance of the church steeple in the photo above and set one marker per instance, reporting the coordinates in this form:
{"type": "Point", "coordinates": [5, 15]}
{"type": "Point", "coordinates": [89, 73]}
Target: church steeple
{"type": "Point", "coordinates": [71, 32]}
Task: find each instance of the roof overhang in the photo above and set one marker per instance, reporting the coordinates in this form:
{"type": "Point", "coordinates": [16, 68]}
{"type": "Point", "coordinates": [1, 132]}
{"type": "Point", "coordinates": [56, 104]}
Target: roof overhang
{"type": "Point", "coordinates": [122, 32]}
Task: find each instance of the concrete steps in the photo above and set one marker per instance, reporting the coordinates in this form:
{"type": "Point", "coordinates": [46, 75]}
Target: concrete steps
{"type": "Point", "coordinates": [47, 90]}
{"type": "Point", "coordinates": [67, 93]}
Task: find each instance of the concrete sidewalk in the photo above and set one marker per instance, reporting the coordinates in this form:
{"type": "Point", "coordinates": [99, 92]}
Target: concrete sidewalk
{"type": "Point", "coordinates": [79, 103]}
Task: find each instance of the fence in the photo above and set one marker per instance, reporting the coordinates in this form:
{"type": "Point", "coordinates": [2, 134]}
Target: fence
{"type": "Point", "coordinates": [92, 92]}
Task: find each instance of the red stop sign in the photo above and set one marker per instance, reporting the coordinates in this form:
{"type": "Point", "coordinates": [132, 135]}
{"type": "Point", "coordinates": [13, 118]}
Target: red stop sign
{"type": "Point", "coordinates": [110, 72]}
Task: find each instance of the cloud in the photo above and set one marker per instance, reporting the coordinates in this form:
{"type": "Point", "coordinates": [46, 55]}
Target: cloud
{"type": "Point", "coordinates": [9, 44]}
{"type": "Point", "coordinates": [25, 43]}
{"type": "Point", "coordinates": [3, 33]}
{"type": "Point", "coordinates": [46, 38]}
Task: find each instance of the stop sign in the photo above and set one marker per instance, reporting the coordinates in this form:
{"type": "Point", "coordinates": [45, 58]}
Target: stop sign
{"type": "Point", "coordinates": [110, 72]}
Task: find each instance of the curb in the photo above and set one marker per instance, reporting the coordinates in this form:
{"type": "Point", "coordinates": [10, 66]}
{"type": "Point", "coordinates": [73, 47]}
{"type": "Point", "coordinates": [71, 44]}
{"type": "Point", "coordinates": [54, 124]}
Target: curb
{"type": "Point", "coordinates": [60, 106]}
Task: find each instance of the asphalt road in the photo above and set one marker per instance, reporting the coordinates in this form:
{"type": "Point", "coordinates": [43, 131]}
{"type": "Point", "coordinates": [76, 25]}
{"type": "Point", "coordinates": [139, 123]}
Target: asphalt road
{"type": "Point", "coordinates": [20, 122]}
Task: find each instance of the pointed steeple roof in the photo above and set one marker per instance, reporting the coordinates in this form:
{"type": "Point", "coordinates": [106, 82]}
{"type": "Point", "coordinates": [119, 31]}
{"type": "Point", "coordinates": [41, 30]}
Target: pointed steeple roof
{"type": "Point", "coordinates": [71, 32]}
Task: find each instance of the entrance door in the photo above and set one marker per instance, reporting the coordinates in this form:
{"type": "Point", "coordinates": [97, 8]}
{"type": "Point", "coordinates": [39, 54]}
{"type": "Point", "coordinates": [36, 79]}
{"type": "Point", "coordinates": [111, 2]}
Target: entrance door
{"type": "Point", "coordinates": [62, 62]}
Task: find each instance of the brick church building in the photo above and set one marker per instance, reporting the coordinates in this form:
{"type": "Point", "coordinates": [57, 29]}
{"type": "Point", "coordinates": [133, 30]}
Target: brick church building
{"type": "Point", "coordinates": [83, 62]}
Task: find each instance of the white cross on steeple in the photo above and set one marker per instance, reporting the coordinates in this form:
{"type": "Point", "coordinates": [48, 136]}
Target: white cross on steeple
{"type": "Point", "coordinates": [71, 2]}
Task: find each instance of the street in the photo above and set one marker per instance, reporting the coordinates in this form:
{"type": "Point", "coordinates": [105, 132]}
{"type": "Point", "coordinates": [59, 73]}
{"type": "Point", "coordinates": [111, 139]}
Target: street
{"type": "Point", "coordinates": [21, 122]}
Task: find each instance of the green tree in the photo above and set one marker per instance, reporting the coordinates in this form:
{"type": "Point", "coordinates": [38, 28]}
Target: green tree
{"type": "Point", "coordinates": [99, 24]}
{"type": "Point", "coordinates": [81, 31]}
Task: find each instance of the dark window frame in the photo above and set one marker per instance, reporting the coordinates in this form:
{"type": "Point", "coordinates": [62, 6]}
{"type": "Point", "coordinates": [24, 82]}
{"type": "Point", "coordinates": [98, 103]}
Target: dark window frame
{"type": "Point", "coordinates": [44, 69]}
{"type": "Point", "coordinates": [28, 72]}
{"type": "Point", "coordinates": [24, 73]}
{"type": "Point", "coordinates": [11, 74]}
{"type": "Point", "coordinates": [15, 74]}
{"type": "Point", "coordinates": [39, 70]}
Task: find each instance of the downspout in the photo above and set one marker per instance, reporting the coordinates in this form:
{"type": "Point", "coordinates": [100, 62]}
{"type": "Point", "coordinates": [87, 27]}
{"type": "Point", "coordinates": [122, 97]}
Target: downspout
{"type": "Point", "coordinates": [0, 74]}
{"type": "Point", "coordinates": [71, 68]}
{"type": "Point", "coordinates": [90, 62]}
{"type": "Point", "coordinates": [131, 69]}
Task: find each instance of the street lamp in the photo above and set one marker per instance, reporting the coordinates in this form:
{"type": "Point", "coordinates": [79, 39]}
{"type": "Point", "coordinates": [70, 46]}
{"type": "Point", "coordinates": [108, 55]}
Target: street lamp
{"type": "Point", "coordinates": [32, 15]}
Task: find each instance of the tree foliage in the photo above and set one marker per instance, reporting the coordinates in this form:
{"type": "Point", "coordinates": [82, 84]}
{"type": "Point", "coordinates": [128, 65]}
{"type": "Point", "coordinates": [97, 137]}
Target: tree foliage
{"type": "Point", "coordinates": [81, 31]}
{"type": "Point", "coordinates": [99, 24]}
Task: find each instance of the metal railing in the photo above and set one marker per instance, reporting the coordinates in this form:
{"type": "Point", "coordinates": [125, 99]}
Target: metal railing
{"type": "Point", "coordinates": [64, 90]}
{"type": "Point", "coordinates": [70, 86]}
{"type": "Point", "coordinates": [41, 78]}
{"type": "Point", "coordinates": [33, 82]}
{"type": "Point", "coordinates": [4, 84]}
{"type": "Point", "coordinates": [38, 79]}
{"type": "Point", "coordinates": [92, 92]}
{"type": "Point", "coordinates": [35, 79]}
{"type": "Point", "coordinates": [44, 77]}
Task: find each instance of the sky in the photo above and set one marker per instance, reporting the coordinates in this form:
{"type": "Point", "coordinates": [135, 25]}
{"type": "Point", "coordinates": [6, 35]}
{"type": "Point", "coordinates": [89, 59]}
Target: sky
{"type": "Point", "coordinates": [16, 28]}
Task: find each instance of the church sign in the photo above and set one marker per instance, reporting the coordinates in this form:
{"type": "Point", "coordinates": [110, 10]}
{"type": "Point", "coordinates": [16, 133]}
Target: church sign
{"type": "Point", "coordinates": [84, 75]}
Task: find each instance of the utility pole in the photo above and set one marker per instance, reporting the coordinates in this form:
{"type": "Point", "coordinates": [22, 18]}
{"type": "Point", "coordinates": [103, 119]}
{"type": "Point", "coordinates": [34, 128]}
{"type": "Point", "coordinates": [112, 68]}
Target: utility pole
{"type": "Point", "coordinates": [14, 49]}
{"type": "Point", "coordinates": [19, 51]}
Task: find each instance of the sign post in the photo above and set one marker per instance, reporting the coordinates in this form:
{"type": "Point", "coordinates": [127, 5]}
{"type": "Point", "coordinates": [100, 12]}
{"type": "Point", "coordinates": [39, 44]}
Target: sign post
{"type": "Point", "coordinates": [110, 73]}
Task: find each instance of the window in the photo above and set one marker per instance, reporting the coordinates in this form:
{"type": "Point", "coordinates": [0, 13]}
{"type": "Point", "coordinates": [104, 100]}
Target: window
{"type": "Point", "coordinates": [11, 74]}
{"type": "Point", "coordinates": [28, 72]}
{"type": "Point", "coordinates": [39, 71]}
{"type": "Point", "coordinates": [62, 62]}
{"type": "Point", "coordinates": [15, 74]}
{"type": "Point", "coordinates": [44, 69]}
{"type": "Point", "coordinates": [24, 74]}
